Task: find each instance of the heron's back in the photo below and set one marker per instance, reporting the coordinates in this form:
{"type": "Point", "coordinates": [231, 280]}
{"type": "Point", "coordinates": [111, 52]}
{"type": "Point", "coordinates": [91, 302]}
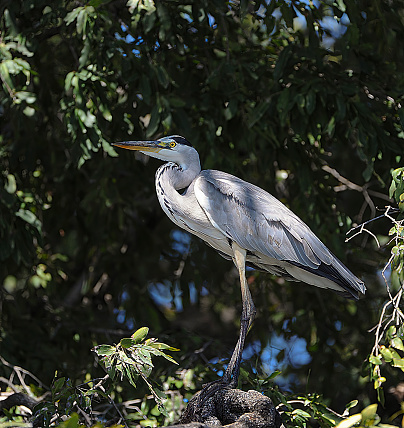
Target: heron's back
{"type": "Point", "coordinates": [276, 239]}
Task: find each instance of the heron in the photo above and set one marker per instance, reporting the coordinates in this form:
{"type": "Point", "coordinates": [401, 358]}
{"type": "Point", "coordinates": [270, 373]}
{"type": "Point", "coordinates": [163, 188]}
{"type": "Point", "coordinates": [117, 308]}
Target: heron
{"type": "Point", "coordinates": [244, 223]}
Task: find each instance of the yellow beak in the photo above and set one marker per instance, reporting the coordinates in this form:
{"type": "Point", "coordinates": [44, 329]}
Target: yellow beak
{"type": "Point", "coordinates": [143, 146]}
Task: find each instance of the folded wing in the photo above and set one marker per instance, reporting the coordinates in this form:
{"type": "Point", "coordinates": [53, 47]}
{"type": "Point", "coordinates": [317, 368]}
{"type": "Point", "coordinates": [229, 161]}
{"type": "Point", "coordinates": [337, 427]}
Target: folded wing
{"type": "Point", "coordinates": [266, 228]}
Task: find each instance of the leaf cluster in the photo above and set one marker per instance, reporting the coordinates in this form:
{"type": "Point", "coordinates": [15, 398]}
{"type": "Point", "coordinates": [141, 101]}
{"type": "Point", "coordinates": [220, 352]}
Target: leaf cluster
{"type": "Point", "coordinates": [397, 187]}
{"type": "Point", "coordinates": [132, 358]}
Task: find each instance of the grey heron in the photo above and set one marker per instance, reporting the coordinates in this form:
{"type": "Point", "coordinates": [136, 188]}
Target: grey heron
{"type": "Point", "coordinates": [244, 223]}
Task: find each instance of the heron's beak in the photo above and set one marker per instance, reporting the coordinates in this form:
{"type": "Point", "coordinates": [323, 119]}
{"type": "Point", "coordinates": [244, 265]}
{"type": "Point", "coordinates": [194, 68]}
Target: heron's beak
{"type": "Point", "coordinates": [143, 146]}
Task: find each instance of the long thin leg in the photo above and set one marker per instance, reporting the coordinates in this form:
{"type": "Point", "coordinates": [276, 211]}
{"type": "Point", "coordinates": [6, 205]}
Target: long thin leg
{"type": "Point", "coordinates": [247, 316]}
{"type": "Point", "coordinates": [230, 377]}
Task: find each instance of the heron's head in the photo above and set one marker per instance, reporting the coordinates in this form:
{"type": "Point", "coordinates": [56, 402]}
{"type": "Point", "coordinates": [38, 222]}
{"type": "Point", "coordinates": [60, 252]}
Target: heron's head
{"type": "Point", "coordinates": [172, 149]}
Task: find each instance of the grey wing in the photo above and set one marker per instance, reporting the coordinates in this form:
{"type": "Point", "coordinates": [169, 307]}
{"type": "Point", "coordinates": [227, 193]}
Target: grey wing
{"type": "Point", "coordinates": [262, 225]}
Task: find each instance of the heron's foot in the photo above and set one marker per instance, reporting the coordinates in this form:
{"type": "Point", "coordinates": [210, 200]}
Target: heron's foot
{"type": "Point", "coordinates": [210, 389]}
{"type": "Point", "coordinates": [200, 402]}
{"type": "Point", "coordinates": [232, 408]}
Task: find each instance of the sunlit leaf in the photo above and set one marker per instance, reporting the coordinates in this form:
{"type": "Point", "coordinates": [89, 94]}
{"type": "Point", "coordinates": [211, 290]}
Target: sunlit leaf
{"type": "Point", "coordinates": [397, 343]}
{"type": "Point", "coordinates": [369, 412]}
{"type": "Point", "coordinates": [140, 334]}
{"type": "Point", "coordinates": [350, 421]}
{"type": "Point", "coordinates": [105, 350]}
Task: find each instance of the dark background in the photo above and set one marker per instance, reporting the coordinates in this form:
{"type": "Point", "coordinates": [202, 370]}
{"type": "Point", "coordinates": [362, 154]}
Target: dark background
{"type": "Point", "coordinates": [303, 99]}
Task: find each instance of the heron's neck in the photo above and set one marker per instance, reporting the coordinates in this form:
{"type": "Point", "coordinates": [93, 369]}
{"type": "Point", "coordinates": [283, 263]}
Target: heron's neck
{"type": "Point", "coordinates": [171, 176]}
{"type": "Point", "coordinates": [169, 179]}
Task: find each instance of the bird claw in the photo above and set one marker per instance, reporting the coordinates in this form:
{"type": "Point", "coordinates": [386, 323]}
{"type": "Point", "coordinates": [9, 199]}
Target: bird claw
{"type": "Point", "coordinates": [198, 405]}
{"type": "Point", "coordinates": [209, 389]}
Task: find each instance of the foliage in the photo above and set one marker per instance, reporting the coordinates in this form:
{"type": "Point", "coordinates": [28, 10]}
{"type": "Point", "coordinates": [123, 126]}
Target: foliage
{"type": "Point", "coordinates": [397, 190]}
{"type": "Point", "coordinates": [388, 348]}
{"type": "Point", "coordinates": [132, 358]}
{"type": "Point", "coordinates": [304, 99]}
{"type": "Point", "coordinates": [366, 418]}
{"type": "Point", "coordinates": [64, 401]}
{"type": "Point", "coordinates": [71, 405]}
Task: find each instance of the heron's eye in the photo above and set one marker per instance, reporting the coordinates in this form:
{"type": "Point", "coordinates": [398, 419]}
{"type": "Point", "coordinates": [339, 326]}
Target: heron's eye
{"type": "Point", "coordinates": [172, 144]}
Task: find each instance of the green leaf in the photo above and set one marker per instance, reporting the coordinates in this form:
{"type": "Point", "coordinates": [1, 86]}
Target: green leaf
{"type": "Point", "coordinates": [149, 21]}
{"type": "Point", "coordinates": [282, 61]}
{"type": "Point", "coordinates": [257, 113]}
{"type": "Point", "coordinates": [231, 110]}
{"type": "Point", "coordinates": [58, 385]}
{"type": "Point", "coordinates": [368, 172]}
{"type": "Point", "coordinates": [311, 101]}
{"type": "Point", "coordinates": [131, 375]}
{"type": "Point", "coordinates": [351, 404]}
{"type": "Point", "coordinates": [162, 354]}
{"type": "Point", "coordinates": [29, 111]}
{"type": "Point", "coordinates": [29, 217]}
{"type": "Point", "coordinates": [26, 96]}
{"type": "Point", "coordinates": [301, 413]}
{"type": "Point", "coordinates": [145, 369]}
{"type": "Point", "coordinates": [71, 16]}
{"type": "Point", "coordinates": [68, 80]}
{"type": "Point", "coordinates": [108, 149]}
{"type": "Point", "coordinates": [148, 5]}
{"type": "Point", "coordinates": [154, 122]}
{"type": "Point", "coordinates": [394, 353]}
{"type": "Point", "coordinates": [140, 334]}
{"type": "Point", "coordinates": [398, 362]}
{"type": "Point", "coordinates": [401, 115]}
{"type": "Point", "coordinates": [220, 54]}
{"type": "Point", "coordinates": [105, 112]}
{"type": "Point", "coordinates": [380, 395]}
{"type": "Point", "coordinates": [391, 332]}
{"type": "Point", "coordinates": [102, 350]}
{"type": "Point", "coordinates": [274, 374]}
{"type": "Point", "coordinates": [350, 422]}
{"type": "Point", "coordinates": [4, 71]}
{"type": "Point", "coordinates": [288, 14]}
{"type": "Point", "coordinates": [72, 422]}
{"type": "Point", "coordinates": [397, 343]}
{"type": "Point", "coordinates": [176, 101]}
{"type": "Point", "coordinates": [10, 185]}
{"type": "Point", "coordinates": [127, 342]}
{"type": "Point", "coordinates": [341, 5]}
{"type": "Point", "coordinates": [341, 108]}
{"type": "Point", "coordinates": [369, 413]}
{"type": "Point", "coordinates": [300, 102]}
{"type": "Point", "coordinates": [82, 20]}
{"type": "Point", "coordinates": [330, 127]}
{"type": "Point", "coordinates": [144, 356]}
{"type": "Point", "coordinates": [85, 52]}
{"type": "Point", "coordinates": [162, 76]}
{"type": "Point", "coordinates": [386, 353]}
{"type": "Point", "coordinates": [160, 346]}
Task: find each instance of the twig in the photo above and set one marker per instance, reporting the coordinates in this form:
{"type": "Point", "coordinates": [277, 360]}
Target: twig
{"type": "Point", "coordinates": [18, 370]}
{"type": "Point", "coordinates": [385, 214]}
{"type": "Point", "coordinates": [347, 184]}
{"type": "Point", "coordinates": [9, 383]}
{"type": "Point", "coordinates": [362, 229]}
{"type": "Point", "coordinates": [99, 385]}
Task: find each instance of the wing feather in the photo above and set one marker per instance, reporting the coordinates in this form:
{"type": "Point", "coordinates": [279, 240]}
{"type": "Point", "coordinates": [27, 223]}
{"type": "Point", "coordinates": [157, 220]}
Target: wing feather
{"type": "Point", "coordinates": [262, 225]}
{"type": "Point", "coordinates": [256, 220]}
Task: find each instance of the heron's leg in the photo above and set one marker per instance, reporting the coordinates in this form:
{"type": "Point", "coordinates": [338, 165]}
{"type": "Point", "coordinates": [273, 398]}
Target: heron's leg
{"type": "Point", "coordinates": [230, 377]}
{"type": "Point", "coordinates": [247, 316]}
